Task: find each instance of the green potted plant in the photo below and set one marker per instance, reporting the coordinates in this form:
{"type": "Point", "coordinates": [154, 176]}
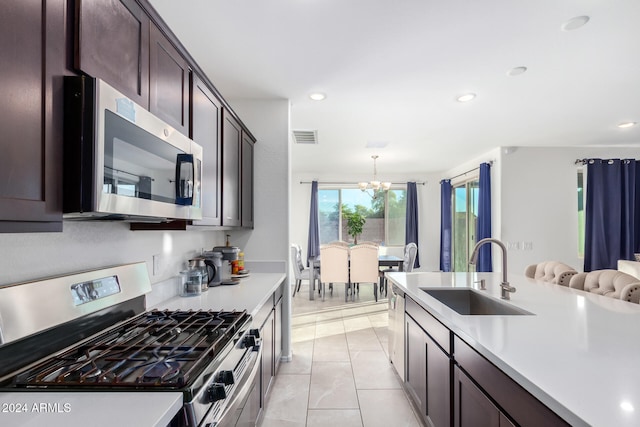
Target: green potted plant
{"type": "Point", "coordinates": [355, 223]}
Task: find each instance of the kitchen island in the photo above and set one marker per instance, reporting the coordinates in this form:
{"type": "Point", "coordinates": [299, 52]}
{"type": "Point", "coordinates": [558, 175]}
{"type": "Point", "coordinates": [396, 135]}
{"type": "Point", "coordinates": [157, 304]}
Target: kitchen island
{"type": "Point", "coordinates": [575, 353]}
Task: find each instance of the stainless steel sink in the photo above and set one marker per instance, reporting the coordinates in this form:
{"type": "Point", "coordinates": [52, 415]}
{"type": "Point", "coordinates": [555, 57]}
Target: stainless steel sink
{"type": "Point", "coordinates": [471, 302]}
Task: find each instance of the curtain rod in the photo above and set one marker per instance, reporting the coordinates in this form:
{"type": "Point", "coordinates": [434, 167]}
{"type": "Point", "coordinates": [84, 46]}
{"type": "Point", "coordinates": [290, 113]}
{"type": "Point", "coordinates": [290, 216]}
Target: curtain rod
{"type": "Point", "coordinates": [586, 161]}
{"type": "Point", "coordinates": [355, 183]}
{"type": "Point", "coordinates": [470, 170]}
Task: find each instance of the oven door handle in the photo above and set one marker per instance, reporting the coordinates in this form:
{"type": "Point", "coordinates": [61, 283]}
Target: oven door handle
{"type": "Point", "coordinates": [246, 383]}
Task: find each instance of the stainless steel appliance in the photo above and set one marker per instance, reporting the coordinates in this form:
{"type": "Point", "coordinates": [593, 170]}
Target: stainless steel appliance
{"type": "Point", "coordinates": [122, 162]}
{"type": "Point", "coordinates": [396, 330]}
{"type": "Point", "coordinates": [95, 335]}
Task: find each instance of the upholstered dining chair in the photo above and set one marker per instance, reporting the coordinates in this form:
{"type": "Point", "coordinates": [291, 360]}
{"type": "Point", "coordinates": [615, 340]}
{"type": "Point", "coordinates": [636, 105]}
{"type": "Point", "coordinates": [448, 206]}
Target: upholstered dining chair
{"type": "Point", "coordinates": [609, 283]}
{"type": "Point", "coordinates": [299, 271]}
{"type": "Point", "coordinates": [554, 272]}
{"type": "Point", "coordinates": [410, 253]}
{"type": "Point", "coordinates": [334, 266]}
{"type": "Point", "coordinates": [364, 266]}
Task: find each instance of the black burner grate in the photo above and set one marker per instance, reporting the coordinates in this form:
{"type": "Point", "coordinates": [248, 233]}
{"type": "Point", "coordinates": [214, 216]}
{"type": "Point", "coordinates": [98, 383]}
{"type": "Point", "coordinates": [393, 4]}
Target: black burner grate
{"type": "Point", "coordinates": [165, 349]}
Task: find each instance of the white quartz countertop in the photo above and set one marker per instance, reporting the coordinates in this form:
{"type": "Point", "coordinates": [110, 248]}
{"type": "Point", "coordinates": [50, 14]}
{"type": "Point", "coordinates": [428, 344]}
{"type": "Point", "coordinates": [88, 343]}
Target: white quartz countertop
{"type": "Point", "coordinates": [577, 354]}
{"type": "Point", "coordinates": [249, 294]}
{"type": "Point", "coordinates": [99, 409]}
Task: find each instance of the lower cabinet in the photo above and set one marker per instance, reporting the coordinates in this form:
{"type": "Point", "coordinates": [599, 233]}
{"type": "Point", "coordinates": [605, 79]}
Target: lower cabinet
{"type": "Point", "coordinates": [267, 354]}
{"type": "Point", "coordinates": [453, 385]}
{"type": "Point", "coordinates": [270, 319]}
{"type": "Point", "coordinates": [472, 407]}
{"type": "Point", "coordinates": [512, 400]}
{"type": "Point", "coordinates": [277, 340]}
{"type": "Point", "coordinates": [428, 373]}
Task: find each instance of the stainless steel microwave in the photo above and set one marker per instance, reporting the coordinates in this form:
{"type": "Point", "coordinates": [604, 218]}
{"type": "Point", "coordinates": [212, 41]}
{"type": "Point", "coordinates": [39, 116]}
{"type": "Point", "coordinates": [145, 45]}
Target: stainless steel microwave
{"type": "Point", "coordinates": [123, 163]}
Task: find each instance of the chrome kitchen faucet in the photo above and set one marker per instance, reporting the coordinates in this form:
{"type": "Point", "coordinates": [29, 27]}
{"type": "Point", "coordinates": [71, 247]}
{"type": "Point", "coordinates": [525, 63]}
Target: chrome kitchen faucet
{"type": "Point", "coordinates": [505, 288]}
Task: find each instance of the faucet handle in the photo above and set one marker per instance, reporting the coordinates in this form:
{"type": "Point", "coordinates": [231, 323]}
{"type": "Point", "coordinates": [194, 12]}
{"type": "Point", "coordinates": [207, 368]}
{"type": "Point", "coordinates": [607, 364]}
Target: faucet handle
{"type": "Point", "coordinates": [483, 284]}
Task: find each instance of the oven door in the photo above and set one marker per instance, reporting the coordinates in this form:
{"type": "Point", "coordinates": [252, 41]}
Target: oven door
{"type": "Point", "coordinates": [244, 407]}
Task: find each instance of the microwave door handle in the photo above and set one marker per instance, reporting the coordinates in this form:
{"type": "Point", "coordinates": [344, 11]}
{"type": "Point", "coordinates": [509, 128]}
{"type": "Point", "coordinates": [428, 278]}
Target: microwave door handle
{"type": "Point", "coordinates": [184, 179]}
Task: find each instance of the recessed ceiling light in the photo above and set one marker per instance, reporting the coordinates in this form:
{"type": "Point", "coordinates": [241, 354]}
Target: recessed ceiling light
{"type": "Point", "coordinates": [575, 23]}
{"type": "Point", "coordinates": [377, 144]}
{"type": "Point", "coordinates": [466, 97]}
{"type": "Point", "coordinates": [627, 124]}
{"type": "Point", "coordinates": [516, 71]}
{"type": "Point", "coordinates": [317, 96]}
{"type": "Point", "coordinates": [626, 406]}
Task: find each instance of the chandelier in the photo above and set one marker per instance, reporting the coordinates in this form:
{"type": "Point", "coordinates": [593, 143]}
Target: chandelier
{"type": "Point", "coordinates": [374, 184]}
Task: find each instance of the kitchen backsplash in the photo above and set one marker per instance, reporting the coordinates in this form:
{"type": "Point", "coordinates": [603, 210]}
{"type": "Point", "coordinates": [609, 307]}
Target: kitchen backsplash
{"type": "Point", "coordinates": [89, 245]}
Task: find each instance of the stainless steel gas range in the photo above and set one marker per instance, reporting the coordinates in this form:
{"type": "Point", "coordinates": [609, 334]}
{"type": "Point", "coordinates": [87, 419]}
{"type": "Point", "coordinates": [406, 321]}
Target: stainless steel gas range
{"type": "Point", "coordinates": [90, 332]}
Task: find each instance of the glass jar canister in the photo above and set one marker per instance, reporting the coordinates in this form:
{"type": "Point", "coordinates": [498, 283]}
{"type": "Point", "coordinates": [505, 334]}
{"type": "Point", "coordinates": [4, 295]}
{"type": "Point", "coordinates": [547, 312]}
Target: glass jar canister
{"type": "Point", "coordinates": [199, 264]}
{"type": "Point", "coordinates": [190, 282]}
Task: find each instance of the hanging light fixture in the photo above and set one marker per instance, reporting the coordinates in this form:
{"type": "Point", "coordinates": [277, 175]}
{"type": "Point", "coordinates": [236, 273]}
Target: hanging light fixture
{"type": "Point", "coordinates": [374, 184]}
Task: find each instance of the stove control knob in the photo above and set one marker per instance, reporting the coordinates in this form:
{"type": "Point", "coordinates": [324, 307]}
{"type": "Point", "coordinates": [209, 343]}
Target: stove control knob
{"type": "Point", "coordinates": [216, 392]}
{"type": "Point", "coordinates": [255, 332]}
{"type": "Point", "coordinates": [225, 377]}
{"type": "Point", "coordinates": [249, 341]}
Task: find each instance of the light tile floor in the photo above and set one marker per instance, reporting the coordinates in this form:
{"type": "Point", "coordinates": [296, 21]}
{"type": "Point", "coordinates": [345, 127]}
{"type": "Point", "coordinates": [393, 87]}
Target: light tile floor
{"type": "Point", "coordinates": [340, 375]}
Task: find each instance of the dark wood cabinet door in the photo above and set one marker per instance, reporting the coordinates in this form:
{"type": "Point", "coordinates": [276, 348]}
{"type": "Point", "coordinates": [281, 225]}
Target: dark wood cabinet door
{"type": "Point", "coordinates": [438, 386]}
{"type": "Point", "coordinates": [472, 407]}
{"type": "Point", "coordinates": [32, 45]}
{"type": "Point", "coordinates": [428, 376]}
{"type": "Point", "coordinates": [277, 341]}
{"type": "Point", "coordinates": [247, 181]}
{"type": "Point", "coordinates": [206, 116]}
{"type": "Point", "coordinates": [112, 43]}
{"type": "Point", "coordinates": [267, 355]}
{"type": "Point", "coordinates": [168, 82]}
{"type": "Point", "coordinates": [231, 140]}
{"type": "Point", "coordinates": [416, 369]}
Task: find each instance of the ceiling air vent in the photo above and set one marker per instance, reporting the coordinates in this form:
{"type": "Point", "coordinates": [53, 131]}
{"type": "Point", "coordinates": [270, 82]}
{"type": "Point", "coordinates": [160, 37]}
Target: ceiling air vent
{"type": "Point", "coordinates": [305, 136]}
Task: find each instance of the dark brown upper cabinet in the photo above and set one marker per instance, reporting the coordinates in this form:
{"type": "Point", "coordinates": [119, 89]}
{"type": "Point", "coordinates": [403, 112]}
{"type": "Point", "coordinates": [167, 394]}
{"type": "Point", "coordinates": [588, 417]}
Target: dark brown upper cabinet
{"type": "Point", "coordinates": [246, 189]}
{"type": "Point", "coordinates": [168, 82]}
{"type": "Point", "coordinates": [112, 43]}
{"type": "Point", "coordinates": [206, 116]}
{"type": "Point", "coordinates": [31, 115]}
{"type": "Point", "coordinates": [231, 178]}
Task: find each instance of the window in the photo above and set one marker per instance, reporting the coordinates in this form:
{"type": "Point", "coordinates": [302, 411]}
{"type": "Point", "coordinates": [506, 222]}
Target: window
{"type": "Point", "coordinates": [581, 223]}
{"type": "Point", "coordinates": [384, 215]}
{"type": "Point", "coordinates": [465, 221]}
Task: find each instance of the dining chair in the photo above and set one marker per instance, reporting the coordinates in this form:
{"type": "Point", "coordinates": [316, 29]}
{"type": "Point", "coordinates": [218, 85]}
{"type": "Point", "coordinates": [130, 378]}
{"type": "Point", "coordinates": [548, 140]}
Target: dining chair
{"type": "Point", "coordinates": [364, 266]}
{"type": "Point", "coordinates": [299, 271]}
{"type": "Point", "coordinates": [334, 266]}
{"type": "Point", "coordinates": [410, 253]}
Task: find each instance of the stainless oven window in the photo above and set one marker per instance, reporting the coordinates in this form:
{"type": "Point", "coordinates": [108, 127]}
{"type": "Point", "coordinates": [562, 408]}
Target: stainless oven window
{"type": "Point", "coordinates": [137, 163]}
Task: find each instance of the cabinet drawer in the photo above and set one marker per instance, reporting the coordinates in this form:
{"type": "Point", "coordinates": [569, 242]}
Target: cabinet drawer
{"type": "Point", "coordinates": [514, 400]}
{"type": "Point", "coordinates": [436, 330]}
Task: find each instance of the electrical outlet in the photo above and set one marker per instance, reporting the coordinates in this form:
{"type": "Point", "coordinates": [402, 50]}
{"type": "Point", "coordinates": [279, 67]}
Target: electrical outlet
{"type": "Point", "coordinates": [527, 246]}
{"type": "Point", "coordinates": [157, 265]}
{"type": "Point", "coordinates": [514, 246]}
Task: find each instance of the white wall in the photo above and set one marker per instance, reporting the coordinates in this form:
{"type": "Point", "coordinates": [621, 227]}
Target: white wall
{"type": "Point", "coordinates": [540, 204]}
{"type": "Point", "coordinates": [268, 121]}
{"type": "Point", "coordinates": [534, 200]}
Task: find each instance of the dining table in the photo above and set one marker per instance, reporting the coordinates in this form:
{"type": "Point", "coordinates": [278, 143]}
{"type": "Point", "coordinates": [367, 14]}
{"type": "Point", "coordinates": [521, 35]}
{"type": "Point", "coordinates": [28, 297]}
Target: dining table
{"type": "Point", "coordinates": [383, 261]}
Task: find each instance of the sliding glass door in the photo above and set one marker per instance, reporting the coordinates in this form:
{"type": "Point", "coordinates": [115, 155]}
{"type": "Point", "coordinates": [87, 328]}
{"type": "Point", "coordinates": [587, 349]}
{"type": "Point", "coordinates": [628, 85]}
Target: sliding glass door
{"type": "Point", "coordinates": [465, 221]}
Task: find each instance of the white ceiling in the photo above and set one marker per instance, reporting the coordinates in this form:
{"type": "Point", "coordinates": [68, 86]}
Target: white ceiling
{"type": "Point", "coordinates": [392, 69]}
